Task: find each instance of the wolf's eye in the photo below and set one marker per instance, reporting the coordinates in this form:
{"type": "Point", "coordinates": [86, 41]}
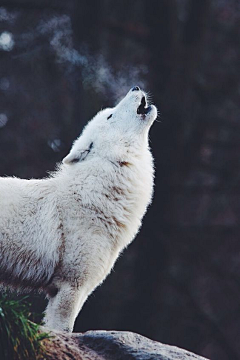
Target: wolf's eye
{"type": "Point", "coordinates": [109, 116]}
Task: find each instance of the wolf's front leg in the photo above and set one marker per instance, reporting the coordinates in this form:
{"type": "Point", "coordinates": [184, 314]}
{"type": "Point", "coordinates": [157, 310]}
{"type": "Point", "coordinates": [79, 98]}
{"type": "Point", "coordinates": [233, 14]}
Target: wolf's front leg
{"type": "Point", "coordinates": [64, 307]}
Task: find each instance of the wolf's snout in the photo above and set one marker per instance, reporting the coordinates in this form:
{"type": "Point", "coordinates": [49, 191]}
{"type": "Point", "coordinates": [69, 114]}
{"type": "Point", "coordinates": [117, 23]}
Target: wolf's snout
{"type": "Point", "coordinates": [136, 88]}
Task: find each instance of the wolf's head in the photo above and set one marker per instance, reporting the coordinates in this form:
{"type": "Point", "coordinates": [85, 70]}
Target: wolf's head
{"type": "Point", "coordinates": [113, 131]}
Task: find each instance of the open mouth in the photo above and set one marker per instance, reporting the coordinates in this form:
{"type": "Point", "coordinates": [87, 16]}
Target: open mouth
{"type": "Point", "coordinates": [143, 109]}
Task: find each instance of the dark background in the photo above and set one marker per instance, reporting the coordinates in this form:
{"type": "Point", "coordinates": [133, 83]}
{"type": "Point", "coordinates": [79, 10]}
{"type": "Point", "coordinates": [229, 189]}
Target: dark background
{"type": "Point", "coordinates": [62, 61]}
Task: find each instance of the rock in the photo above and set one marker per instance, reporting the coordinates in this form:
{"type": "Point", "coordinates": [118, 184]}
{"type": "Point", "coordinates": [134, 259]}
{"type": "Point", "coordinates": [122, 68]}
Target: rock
{"type": "Point", "coordinates": [111, 345]}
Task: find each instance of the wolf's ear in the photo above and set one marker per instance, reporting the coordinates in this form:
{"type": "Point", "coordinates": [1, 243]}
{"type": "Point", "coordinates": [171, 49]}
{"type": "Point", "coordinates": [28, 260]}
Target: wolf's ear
{"type": "Point", "coordinates": [74, 157]}
{"type": "Point", "coordinates": [77, 155]}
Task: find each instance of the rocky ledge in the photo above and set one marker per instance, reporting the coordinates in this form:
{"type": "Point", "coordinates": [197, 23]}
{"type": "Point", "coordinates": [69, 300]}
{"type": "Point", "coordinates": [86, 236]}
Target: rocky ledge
{"type": "Point", "coordinates": [111, 345]}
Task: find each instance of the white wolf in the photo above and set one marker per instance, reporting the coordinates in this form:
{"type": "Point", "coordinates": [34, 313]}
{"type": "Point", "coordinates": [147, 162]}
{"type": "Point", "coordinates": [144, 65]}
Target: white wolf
{"type": "Point", "coordinates": [62, 234]}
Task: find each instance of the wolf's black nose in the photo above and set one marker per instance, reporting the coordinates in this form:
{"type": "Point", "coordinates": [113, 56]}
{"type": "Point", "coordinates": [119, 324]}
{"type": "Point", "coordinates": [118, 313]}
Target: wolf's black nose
{"type": "Point", "coordinates": [136, 88]}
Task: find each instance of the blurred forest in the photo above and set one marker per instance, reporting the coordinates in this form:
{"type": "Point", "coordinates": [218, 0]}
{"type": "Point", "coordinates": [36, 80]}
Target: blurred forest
{"type": "Point", "coordinates": [61, 62]}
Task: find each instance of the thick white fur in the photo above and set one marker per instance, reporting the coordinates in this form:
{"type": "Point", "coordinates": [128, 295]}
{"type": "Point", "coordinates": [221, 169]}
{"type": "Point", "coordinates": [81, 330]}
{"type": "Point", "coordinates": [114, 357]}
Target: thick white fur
{"type": "Point", "coordinates": [62, 234]}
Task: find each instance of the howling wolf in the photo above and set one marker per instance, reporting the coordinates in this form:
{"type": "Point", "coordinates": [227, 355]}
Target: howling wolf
{"type": "Point", "coordinates": [62, 234]}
